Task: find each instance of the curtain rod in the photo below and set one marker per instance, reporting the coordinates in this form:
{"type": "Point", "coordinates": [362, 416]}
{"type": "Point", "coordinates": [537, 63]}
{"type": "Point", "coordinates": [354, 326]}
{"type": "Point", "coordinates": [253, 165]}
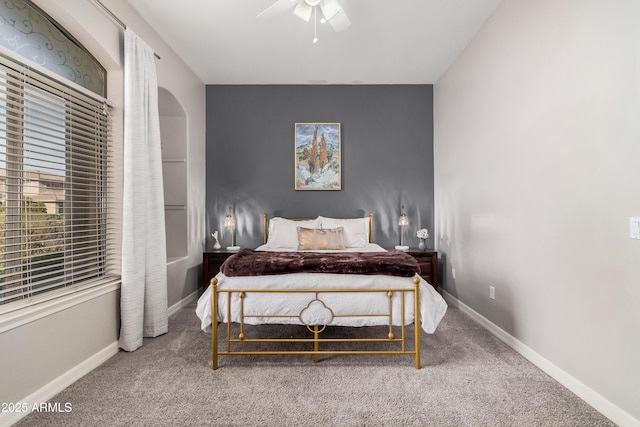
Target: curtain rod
{"type": "Point", "coordinates": [115, 18]}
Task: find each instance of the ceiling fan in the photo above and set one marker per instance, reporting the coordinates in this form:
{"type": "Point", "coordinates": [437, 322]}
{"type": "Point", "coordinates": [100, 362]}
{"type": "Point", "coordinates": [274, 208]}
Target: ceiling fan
{"type": "Point", "coordinates": [331, 10]}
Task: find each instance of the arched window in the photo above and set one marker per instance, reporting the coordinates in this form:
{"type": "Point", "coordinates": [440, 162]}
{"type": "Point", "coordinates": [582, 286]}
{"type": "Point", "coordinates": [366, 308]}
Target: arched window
{"type": "Point", "coordinates": [54, 161]}
{"type": "Point", "coordinates": [29, 32]}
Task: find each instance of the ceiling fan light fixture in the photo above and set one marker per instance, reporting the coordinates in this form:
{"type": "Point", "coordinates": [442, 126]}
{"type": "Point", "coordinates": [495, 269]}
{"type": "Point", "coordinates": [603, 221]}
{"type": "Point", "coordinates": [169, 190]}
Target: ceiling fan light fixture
{"type": "Point", "coordinates": [331, 12]}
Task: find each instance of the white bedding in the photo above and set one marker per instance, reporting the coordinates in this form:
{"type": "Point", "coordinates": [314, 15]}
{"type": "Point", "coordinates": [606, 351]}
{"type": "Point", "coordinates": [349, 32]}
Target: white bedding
{"type": "Point", "coordinates": [432, 305]}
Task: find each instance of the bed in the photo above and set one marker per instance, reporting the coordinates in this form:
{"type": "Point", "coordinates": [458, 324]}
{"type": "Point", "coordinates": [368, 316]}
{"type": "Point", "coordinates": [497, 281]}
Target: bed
{"type": "Point", "coordinates": [319, 273]}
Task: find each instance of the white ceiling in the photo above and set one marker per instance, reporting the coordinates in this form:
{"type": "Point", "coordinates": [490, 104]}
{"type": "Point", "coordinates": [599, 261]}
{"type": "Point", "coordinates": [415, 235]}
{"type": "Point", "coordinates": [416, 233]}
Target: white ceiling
{"type": "Point", "coordinates": [389, 41]}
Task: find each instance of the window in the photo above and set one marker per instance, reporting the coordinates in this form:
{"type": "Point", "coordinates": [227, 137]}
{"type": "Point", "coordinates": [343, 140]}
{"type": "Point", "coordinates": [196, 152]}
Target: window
{"type": "Point", "coordinates": [29, 32]}
{"type": "Point", "coordinates": [54, 164]}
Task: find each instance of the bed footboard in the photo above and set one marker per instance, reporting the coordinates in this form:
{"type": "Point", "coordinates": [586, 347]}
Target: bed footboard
{"type": "Point", "coordinates": [316, 316]}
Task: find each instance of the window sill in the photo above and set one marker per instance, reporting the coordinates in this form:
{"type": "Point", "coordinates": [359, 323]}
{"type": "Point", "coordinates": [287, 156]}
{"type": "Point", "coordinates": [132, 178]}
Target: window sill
{"type": "Point", "coordinates": [54, 302]}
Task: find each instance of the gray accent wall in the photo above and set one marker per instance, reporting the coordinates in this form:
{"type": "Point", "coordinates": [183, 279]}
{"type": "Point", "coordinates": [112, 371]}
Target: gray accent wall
{"type": "Point", "coordinates": [387, 156]}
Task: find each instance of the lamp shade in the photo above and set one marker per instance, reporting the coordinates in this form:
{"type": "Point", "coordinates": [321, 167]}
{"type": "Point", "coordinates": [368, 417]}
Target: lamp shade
{"type": "Point", "coordinates": [404, 220]}
{"type": "Point", "coordinates": [229, 221]}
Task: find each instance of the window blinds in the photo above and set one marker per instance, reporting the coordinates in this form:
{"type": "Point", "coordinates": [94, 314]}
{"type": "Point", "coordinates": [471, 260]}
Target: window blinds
{"type": "Point", "coordinates": [54, 169]}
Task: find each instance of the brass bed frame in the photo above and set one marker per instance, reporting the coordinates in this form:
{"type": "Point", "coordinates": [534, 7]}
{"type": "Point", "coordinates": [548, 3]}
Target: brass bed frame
{"type": "Point", "coordinates": [315, 341]}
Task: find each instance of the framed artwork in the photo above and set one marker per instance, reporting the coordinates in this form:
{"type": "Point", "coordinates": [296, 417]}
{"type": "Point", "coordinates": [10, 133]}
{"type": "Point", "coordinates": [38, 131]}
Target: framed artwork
{"type": "Point", "coordinates": [317, 156]}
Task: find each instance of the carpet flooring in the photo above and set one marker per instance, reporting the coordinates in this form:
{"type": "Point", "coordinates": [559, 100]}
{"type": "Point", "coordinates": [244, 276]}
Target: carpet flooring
{"type": "Point", "coordinates": [468, 378]}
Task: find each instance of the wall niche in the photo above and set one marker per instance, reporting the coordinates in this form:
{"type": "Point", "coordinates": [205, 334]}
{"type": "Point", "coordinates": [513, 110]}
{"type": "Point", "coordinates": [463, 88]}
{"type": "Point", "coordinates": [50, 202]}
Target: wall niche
{"type": "Point", "coordinates": [173, 134]}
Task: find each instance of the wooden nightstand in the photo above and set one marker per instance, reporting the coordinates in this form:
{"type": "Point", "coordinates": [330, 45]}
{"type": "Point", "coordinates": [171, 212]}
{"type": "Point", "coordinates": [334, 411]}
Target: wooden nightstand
{"type": "Point", "coordinates": [428, 261]}
{"type": "Point", "coordinates": [211, 262]}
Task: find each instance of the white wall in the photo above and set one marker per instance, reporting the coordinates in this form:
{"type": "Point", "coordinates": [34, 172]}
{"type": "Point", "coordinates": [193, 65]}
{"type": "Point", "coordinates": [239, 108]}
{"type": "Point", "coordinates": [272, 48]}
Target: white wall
{"type": "Point", "coordinates": [537, 171]}
{"type": "Point", "coordinates": [45, 353]}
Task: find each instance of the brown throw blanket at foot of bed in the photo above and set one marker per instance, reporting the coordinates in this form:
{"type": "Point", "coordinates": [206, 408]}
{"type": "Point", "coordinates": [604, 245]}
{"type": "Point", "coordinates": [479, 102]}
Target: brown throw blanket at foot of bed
{"type": "Point", "coordinates": [258, 263]}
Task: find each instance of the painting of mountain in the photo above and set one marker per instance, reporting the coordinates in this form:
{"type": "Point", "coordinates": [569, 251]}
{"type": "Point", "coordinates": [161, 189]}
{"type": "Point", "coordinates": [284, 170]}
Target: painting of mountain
{"type": "Point", "coordinates": [317, 157]}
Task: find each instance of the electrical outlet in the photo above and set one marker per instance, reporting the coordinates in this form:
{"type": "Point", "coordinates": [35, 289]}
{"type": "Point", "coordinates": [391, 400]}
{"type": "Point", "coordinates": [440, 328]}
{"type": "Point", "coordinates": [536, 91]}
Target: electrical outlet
{"type": "Point", "coordinates": [453, 273]}
{"type": "Point", "coordinates": [492, 292]}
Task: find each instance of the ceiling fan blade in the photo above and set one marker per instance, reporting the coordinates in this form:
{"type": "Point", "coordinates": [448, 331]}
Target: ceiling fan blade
{"type": "Point", "coordinates": [303, 11]}
{"type": "Point", "coordinates": [340, 21]}
{"type": "Point", "coordinates": [330, 8]}
{"type": "Point", "coordinates": [277, 8]}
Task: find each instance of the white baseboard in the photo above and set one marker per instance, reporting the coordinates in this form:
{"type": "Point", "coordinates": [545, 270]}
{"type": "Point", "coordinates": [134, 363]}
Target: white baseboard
{"type": "Point", "coordinates": [183, 302]}
{"type": "Point", "coordinates": [596, 400]}
{"type": "Point", "coordinates": [47, 392]}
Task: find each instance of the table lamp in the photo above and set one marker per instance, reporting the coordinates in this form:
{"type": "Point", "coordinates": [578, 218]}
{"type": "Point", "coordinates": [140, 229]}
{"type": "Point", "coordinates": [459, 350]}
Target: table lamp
{"type": "Point", "coordinates": [403, 222]}
{"type": "Point", "coordinates": [230, 223]}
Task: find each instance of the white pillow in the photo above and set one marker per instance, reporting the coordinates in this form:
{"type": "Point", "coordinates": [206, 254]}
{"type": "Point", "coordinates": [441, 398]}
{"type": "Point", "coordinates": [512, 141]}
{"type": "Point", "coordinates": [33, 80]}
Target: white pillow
{"type": "Point", "coordinates": [356, 230]}
{"type": "Point", "coordinates": [283, 233]}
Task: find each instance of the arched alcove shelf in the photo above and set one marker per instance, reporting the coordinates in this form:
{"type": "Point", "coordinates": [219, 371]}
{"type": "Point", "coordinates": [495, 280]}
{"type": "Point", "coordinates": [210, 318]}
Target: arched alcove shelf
{"type": "Point", "coordinates": [173, 133]}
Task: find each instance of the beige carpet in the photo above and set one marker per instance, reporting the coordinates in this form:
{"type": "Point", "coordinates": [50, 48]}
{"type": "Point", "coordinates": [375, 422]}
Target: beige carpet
{"type": "Point", "coordinates": [469, 378]}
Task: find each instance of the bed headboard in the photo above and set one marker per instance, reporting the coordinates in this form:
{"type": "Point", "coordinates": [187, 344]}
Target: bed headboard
{"type": "Point", "coordinates": [265, 226]}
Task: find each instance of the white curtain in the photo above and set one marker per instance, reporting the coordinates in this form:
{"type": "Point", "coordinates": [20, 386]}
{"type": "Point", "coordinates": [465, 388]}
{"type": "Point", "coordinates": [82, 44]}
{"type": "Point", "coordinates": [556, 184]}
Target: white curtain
{"type": "Point", "coordinates": [143, 297]}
